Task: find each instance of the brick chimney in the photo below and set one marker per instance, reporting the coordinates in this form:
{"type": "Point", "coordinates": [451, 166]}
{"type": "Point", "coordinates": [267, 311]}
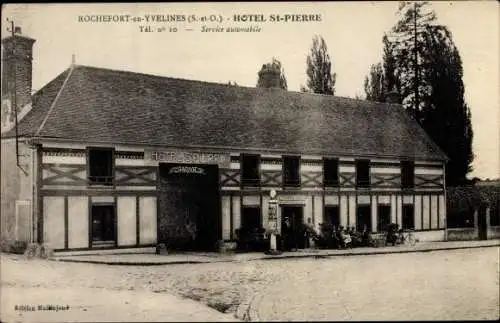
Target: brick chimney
{"type": "Point", "coordinates": [393, 96]}
{"type": "Point", "coordinates": [17, 56]}
{"type": "Point", "coordinates": [269, 76]}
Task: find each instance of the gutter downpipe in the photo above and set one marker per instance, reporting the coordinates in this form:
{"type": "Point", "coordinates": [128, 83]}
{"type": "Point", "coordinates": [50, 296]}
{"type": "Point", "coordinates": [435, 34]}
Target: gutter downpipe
{"type": "Point", "coordinates": [445, 202]}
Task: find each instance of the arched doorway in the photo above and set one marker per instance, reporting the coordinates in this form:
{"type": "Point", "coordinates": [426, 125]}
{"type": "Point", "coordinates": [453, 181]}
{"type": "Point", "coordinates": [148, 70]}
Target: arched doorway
{"type": "Point", "coordinates": [189, 206]}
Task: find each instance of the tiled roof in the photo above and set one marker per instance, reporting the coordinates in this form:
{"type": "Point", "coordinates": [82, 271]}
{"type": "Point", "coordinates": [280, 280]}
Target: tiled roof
{"type": "Point", "coordinates": [108, 106]}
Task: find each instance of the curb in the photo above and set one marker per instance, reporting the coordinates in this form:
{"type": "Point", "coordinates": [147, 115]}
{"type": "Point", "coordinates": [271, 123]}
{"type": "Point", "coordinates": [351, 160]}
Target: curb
{"type": "Point", "coordinates": [276, 257]}
{"type": "Point", "coordinates": [320, 256]}
{"type": "Point", "coordinates": [125, 263]}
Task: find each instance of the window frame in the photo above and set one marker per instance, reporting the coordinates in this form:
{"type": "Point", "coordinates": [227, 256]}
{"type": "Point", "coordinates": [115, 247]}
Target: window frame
{"type": "Point", "coordinates": [405, 165]}
{"type": "Point", "coordinates": [296, 183]}
{"type": "Point", "coordinates": [90, 182]}
{"type": "Point", "coordinates": [404, 225]}
{"type": "Point", "coordinates": [367, 207]}
{"type": "Point", "coordinates": [259, 221]}
{"type": "Point", "coordinates": [252, 182]}
{"type": "Point", "coordinates": [359, 183]}
{"type": "Point", "coordinates": [331, 182]}
{"type": "Point", "coordinates": [379, 207]}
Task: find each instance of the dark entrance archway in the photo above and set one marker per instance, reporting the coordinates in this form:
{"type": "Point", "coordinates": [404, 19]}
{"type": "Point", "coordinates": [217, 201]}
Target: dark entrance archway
{"type": "Point", "coordinates": [189, 206]}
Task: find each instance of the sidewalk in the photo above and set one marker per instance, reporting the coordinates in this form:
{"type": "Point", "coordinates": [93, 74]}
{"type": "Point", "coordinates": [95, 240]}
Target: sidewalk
{"type": "Point", "coordinates": [190, 258]}
{"type": "Point", "coordinates": [101, 305]}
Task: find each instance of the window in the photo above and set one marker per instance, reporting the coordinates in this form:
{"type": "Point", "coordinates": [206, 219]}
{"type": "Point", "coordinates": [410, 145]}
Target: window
{"type": "Point", "coordinates": [251, 218]}
{"type": "Point", "coordinates": [407, 174]}
{"type": "Point", "coordinates": [362, 173]}
{"type": "Point", "coordinates": [291, 170]}
{"type": "Point", "coordinates": [250, 165]}
{"type": "Point", "coordinates": [495, 213]}
{"type": "Point", "coordinates": [101, 163]}
{"type": "Point", "coordinates": [331, 172]}
{"type": "Point", "coordinates": [332, 215]}
{"type": "Point", "coordinates": [363, 218]}
{"type": "Point", "coordinates": [408, 216]}
{"type": "Point", "coordinates": [384, 217]}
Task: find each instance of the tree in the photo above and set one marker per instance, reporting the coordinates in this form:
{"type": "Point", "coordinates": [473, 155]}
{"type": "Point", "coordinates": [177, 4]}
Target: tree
{"type": "Point", "coordinates": [276, 64]}
{"type": "Point", "coordinates": [391, 77]}
{"type": "Point", "coordinates": [407, 42]}
{"type": "Point", "coordinates": [375, 85]}
{"type": "Point", "coordinates": [382, 77]}
{"type": "Point", "coordinates": [319, 68]}
{"type": "Point", "coordinates": [427, 69]}
{"type": "Point", "coordinates": [446, 115]}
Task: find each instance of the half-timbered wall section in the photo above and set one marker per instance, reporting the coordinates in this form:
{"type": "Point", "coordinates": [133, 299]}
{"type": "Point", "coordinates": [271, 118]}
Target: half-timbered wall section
{"type": "Point", "coordinates": [68, 199]}
{"type": "Point", "coordinates": [420, 207]}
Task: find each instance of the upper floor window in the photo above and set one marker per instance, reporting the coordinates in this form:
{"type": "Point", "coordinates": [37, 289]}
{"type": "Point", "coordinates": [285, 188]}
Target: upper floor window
{"type": "Point", "coordinates": [331, 172]}
{"type": "Point", "coordinates": [100, 166]}
{"type": "Point", "coordinates": [291, 170]}
{"type": "Point", "coordinates": [362, 173]}
{"type": "Point", "coordinates": [250, 169]}
{"type": "Point", "coordinates": [407, 174]}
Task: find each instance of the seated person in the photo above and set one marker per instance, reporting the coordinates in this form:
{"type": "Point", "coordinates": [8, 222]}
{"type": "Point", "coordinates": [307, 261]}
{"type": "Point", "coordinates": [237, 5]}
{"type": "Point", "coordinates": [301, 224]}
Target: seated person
{"type": "Point", "coordinates": [345, 239]}
{"type": "Point", "coordinates": [337, 237]}
{"type": "Point", "coordinates": [400, 236]}
{"type": "Point", "coordinates": [391, 235]}
{"type": "Point", "coordinates": [365, 238]}
{"type": "Point", "coordinates": [357, 238]}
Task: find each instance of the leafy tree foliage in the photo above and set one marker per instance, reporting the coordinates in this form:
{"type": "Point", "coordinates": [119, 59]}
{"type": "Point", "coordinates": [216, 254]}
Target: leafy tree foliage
{"type": "Point", "coordinates": [375, 85]}
{"type": "Point", "coordinates": [382, 78]}
{"type": "Point", "coordinates": [423, 64]}
{"type": "Point", "coordinates": [319, 69]}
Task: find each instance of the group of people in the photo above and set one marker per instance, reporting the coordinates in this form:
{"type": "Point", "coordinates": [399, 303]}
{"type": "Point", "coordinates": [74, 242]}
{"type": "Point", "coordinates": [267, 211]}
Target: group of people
{"type": "Point", "coordinates": [395, 235]}
{"type": "Point", "coordinates": [349, 237]}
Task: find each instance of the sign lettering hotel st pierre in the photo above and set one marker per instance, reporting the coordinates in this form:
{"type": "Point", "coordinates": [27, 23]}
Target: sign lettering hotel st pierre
{"type": "Point", "coordinates": [186, 157]}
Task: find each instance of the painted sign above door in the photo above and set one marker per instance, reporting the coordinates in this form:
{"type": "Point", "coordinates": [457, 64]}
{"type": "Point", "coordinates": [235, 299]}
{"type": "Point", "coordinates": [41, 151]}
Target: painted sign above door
{"type": "Point", "coordinates": [186, 157]}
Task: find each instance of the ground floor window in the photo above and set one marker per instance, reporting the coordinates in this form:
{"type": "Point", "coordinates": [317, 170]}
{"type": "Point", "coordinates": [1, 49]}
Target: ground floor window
{"type": "Point", "coordinates": [251, 234]}
{"type": "Point", "coordinates": [103, 223]}
{"type": "Point", "coordinates": [332, 216]}
{"type": "Point", "coordinates": [251, 218]}
{"type": "Point", "coordinates": [363, 218]}
{"type": "Point", "coordinates": [495, 214]}
{"type": "Point", "coordinates": [384, 217]}
{"type": "Point", "coordinates": [408, 216]}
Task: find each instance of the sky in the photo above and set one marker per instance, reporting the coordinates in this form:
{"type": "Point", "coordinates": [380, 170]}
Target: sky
{"type": "Point", "coordinates": [352, 30]}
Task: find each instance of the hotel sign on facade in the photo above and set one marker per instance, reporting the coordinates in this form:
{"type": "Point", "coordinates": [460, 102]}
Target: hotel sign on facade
{"type": "Point", "coordinates": [186, 157]}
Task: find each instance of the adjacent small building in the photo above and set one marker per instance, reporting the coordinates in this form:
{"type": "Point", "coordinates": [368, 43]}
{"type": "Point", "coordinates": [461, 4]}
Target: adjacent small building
{"type": "Point", "coordinates": [111, 159]}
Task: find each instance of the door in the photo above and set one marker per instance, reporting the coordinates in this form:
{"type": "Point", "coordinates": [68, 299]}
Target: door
{"type": "Point", "coordinates": [481, 223]}
{"type": "Point", "coordinates": [103, 224]}
{"type": "Point", "coordinates": [292, 227]}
